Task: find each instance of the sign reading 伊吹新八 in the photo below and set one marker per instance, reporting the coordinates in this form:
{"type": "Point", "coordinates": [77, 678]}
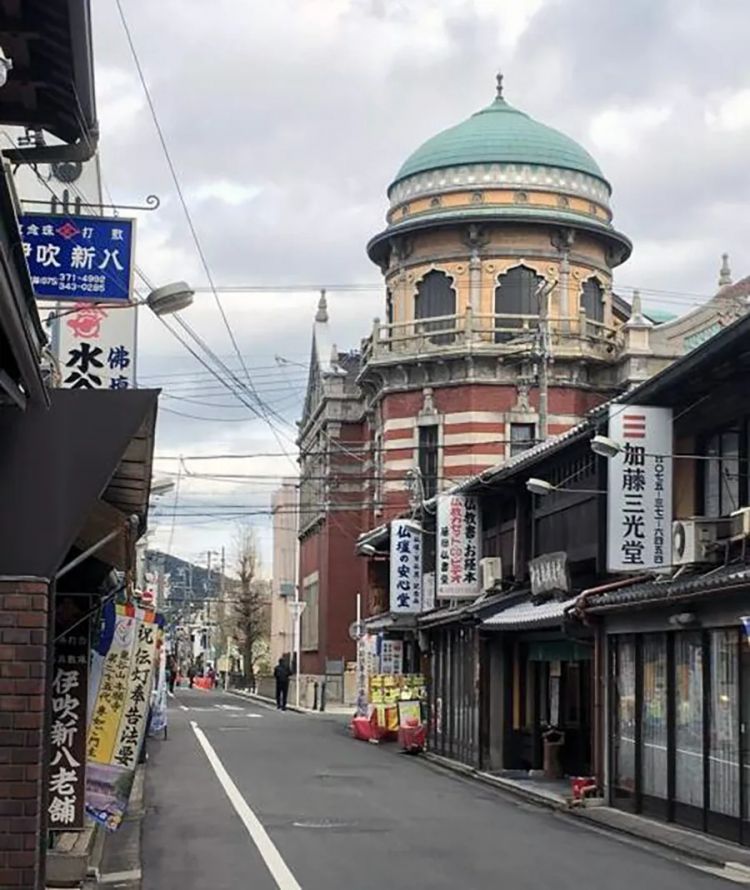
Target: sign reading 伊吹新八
{"type": "Point", "coordinates": [639, 500]}
{"type": "Point", "coordinates": [406, 567]}
{"type": "Point", "coordinates": [458, 547]}
{"type": "Point", "coordinates": [78, 257]}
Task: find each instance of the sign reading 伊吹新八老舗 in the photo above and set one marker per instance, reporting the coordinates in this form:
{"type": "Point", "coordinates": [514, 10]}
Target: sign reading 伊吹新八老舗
{"type": "Point", "coordinates": [639, 498]}
{"type": "Point", "coordinates": [78, 257]}
{"type": "Point", "coordinates": [67, 772]}
{"type": "Point", "coordinates": [406, 567]}
{"type": "Point", "coordinates": [458, 547]}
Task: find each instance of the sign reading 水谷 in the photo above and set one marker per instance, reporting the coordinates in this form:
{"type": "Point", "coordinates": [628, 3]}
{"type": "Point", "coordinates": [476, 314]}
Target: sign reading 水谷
{"type": "Point", "coordinates": [95, 347]}
{"type": "Point", "coordinates": [458, 547]}
{"type": "Point", "coordinates": [639, 500]}
{"type": "Point", "coordinates": [78, 257]}
{"type": "Point", "coordinates": [406, 566]}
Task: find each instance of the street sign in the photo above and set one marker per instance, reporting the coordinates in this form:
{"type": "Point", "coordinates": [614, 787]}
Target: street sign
{"type": "Point", "coordinates": [78, 257]}
{"type": "Point", "coordinates": [357, 630]}
{"type": "Point", "coordinates": [296, 607]}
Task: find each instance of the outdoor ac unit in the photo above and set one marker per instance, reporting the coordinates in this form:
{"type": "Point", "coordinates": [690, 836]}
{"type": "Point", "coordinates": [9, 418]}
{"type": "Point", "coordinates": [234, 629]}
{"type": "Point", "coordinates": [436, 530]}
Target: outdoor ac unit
{"type": "Point", "coordinates": [740, 520]}
{"type": "Point", "coordinates": [693, 540]}
{"type": "Point", "coordinates": [491, 569]}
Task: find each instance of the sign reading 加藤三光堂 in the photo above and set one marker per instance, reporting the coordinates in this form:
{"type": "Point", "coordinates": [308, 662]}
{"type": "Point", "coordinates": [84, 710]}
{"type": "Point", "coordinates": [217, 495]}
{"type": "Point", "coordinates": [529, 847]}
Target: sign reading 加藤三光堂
{"type": "Point", "coordinates": [67, 765]}
{"type": "Point", "coordinates": [78, 257]}
{"type": "Point", "coordinates": [458, 547]}
{"type": "Point", "coordinates": [95, 347]}
{"type": "Point", "coordinates": [639, 497]}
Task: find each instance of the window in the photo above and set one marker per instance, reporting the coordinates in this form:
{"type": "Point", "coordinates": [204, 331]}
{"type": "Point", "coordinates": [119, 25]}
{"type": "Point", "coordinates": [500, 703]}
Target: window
{"type": "Point", "coordinates": [592, 300]}
{"type": "Point", "coordinates": [309, 620]}
{"type": "Point", "coordinates": [721, 480]}
{"type": "Point", "coordinates": [428, 459]}
{"type": "Point", "coordinates": [436, 299]}
{"type": "Point", "coordinates": [725, 729]}
{"type": "Point", "coordinates": [522, 436]}
{"type": "Point", "coordinates": [688, 684]}
{"type": "Point", "coordinates": [654, 716]}
{"type": "Point", "coordinates": [516, 295]}
{"type": "Point", "coordinates": [389, 307]}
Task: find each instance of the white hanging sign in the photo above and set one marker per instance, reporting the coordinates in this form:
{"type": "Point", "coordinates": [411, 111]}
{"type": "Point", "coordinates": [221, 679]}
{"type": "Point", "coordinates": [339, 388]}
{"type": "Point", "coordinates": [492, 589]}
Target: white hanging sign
{"type": "Point", "coordinates": [458, 547]}
{"type": "Point", "coordinates": [639, 500]}
{"type": "Point", "coordinates": [96, 347]}
{"type": "Point", "coordinates": [406, 567]}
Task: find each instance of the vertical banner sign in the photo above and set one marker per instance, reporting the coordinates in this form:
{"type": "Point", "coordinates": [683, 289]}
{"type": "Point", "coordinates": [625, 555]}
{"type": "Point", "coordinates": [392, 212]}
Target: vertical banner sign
{"type": "Point", "coordinates": [392, 657]}
{"type": "Point", "coordinates": [78, 257]}
{"type": "Point", "coordinates": [118, 718]}
{"type": "Point", "coordinates": [96, 347]}
{"type": "Point", "coordinates": [639, 499]}
{"type": "Point", "coordinates": [428, 591]}
{"type": "Point", "coordinates": [458, 547]}
{"type": "Point", "coordinates": [406, 567]}
{"type": "Point", "coordinates": [158, 723]}
{"type": "Point", "coordinates": [67, 773]}
{"type": "Point", "coordinates": [363, 645]}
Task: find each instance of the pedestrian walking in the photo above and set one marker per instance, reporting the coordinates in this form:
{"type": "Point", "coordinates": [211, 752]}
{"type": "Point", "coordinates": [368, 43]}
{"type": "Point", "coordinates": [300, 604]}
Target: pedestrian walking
{"type": "Point", "coordinates": [171, 673]}
{"type": "Point", "coordinates": [281, 674]}
{"type": "Point", "coordinates": [191, 676]}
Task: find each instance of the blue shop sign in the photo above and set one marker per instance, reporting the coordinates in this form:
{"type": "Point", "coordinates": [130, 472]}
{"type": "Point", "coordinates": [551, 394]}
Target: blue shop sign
{"type": "Point", "coordinates": [78, 257]}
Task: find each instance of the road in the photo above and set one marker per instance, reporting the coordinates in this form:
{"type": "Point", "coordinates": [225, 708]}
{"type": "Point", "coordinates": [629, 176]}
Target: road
{"type": "Point", "coordinates": [241, 795]}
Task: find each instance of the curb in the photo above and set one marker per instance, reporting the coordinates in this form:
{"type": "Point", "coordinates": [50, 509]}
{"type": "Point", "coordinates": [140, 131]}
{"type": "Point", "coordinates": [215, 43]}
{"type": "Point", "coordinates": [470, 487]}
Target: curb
{"type": "Point", "coordinates": [262, 699]}
{"type": "Point", "coordinates": [554, 804]}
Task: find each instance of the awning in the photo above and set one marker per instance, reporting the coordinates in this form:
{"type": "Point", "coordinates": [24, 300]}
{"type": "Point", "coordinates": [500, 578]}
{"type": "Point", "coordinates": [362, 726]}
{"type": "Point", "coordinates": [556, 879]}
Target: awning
{"type": "Point", "coordinates": [389, 622]}
{"type": "Point", "coordinates": [72, 473]}
{"type": "Point", "coordinates": [526, 615]}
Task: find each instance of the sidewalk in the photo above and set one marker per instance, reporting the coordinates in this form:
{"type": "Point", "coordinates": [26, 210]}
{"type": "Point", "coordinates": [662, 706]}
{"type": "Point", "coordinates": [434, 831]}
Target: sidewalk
{"type": "Point", "coordinates": [333, 710]}
{"type": "Point", "coordinates": [682, 841]}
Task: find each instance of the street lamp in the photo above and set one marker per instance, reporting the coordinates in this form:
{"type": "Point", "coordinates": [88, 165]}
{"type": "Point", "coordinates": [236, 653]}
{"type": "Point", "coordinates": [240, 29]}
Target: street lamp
{"type": "Point", "coordinates": [161, 301]}
{"type": "Point", "coordinates": [542, 488]}
{"type": "Point", "coordinates": [605, 447]}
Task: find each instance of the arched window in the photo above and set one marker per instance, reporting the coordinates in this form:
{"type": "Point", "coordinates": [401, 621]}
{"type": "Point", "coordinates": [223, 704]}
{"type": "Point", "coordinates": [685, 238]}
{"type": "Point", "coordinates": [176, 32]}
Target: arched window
{"type": "Point", "coordinates": [389, 307]}
{"type": "Point", "coordinates": [436, 298]}
{"type": "Point", "coordinates": [592, 300]}
{"type": "Point", "coordinates": [516, 295]}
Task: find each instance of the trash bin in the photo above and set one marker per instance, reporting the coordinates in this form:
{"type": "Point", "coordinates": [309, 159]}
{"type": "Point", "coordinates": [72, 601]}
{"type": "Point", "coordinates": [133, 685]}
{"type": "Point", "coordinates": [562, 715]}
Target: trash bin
{"type": "Point", "coordinates": [553, 740]}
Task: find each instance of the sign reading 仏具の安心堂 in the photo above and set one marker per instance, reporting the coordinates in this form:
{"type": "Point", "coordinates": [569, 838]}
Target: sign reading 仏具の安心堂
{"type": "Point", "coordinates": [78, 257]}
{"type": "Point", "coordinates": [458, 547]}
{"type": "Point", "coordinates": [406, 567]}
{"type": "Point", "coordinates": [639, 498]}
{"type": "Point", "coordinates": [95, 347]}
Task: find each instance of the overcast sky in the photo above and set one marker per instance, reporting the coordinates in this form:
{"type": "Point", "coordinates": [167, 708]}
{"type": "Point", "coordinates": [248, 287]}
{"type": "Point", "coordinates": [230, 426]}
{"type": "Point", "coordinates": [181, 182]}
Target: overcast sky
{"type": "Point", "coordinates": [287, 121]}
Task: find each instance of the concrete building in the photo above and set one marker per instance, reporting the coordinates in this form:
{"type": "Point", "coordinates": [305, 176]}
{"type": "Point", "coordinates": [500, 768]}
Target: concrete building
{"type": "Point", "coordinates": [284, 505]}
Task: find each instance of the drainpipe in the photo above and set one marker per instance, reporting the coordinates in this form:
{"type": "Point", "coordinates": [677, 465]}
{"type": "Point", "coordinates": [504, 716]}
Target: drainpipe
{"type": "Point", "coordinates": [597, 729]}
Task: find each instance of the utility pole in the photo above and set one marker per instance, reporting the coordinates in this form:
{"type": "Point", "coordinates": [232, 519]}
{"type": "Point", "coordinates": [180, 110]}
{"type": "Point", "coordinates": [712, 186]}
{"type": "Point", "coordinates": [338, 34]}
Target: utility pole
{"type": "Point", "coordinates": [222, 613]}
{"type": "Point", "coordinates": [544, 355]}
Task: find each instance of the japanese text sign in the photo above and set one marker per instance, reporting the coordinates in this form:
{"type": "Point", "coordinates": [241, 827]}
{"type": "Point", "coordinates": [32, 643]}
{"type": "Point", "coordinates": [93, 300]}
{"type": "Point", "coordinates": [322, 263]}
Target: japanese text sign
{"type": "Point", "coordinates": [78, 257]}
{"type": "Point", "coordinates": [67, 773]}
{"type": "Point", "coordinates": [549, 574]}
{"type": "Point", "coordinates": [406, 566]}
{"type": "Point", "coordinates": [95, 347]}
{"type": "Point", "coordinates": [639, 499]}
{"type": "Point", "coordinates": [392, 657]}
{"type": "Point", "coordinates": [458, 547]}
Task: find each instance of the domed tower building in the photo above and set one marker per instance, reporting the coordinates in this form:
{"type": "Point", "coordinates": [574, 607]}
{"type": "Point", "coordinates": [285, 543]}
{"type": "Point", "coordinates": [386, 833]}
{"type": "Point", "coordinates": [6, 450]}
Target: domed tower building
{"type": "Point", "coordinates": [500, 326]}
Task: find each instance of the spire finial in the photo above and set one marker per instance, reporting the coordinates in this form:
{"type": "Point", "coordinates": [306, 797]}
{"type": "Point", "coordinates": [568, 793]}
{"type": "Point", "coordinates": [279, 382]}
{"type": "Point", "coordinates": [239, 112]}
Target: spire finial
{"type": "Point", "coordinates": [322, 313]}
{"type": "Point", "coordinates": [499, 81]}
{"type": "Point", "coordinates": [725, 273]}
{"type": "Point", "coordinates": [637, 308]}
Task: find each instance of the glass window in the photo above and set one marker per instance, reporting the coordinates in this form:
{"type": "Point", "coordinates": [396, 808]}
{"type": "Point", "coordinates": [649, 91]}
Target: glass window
{"type": "Point", "coordinates": [436, 298]}
{"type": "Point", "coordinates": [516, 302]}
{"type": "Point", "coordinates": [688, 682]}
{"type": "Point", "coordinates": [309, 618]}
{"type": "Point", "coordinates": [592, 300]}
{"type": "Point", "coordinates": [624, 713]}
{"type": "Point", "coordinates": [724, 796]}
{"type": "Point", "coordinates": [654, 716]}
{"type": "Point", "coordinates": [428, 459]}
{"type": "Point", "coordinates": [522, 437]}
{"type": "Point", "coordinates": [721, 486]}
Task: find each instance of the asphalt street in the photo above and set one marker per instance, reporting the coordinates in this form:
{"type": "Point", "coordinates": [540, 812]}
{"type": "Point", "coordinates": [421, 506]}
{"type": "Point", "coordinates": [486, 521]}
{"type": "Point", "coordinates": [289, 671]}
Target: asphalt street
{"type": "Point", "coordinates": [240, 795]}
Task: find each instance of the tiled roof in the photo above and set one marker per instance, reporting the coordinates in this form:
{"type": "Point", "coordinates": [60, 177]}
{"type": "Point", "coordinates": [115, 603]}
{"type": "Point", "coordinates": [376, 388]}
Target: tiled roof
{"type": "Point", "coordinates": [528, 615]}
{"type": "Point", "coordinates": [683, 587]}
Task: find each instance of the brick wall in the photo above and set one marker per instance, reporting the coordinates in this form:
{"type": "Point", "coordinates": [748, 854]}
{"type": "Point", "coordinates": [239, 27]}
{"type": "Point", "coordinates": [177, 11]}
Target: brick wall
{"type": "Point", "coordinates": [23, 677]}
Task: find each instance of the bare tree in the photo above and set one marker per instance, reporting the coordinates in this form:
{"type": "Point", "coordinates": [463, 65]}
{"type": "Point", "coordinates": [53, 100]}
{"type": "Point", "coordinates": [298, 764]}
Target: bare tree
{"type": "Point", "coordinates": [251, 601]}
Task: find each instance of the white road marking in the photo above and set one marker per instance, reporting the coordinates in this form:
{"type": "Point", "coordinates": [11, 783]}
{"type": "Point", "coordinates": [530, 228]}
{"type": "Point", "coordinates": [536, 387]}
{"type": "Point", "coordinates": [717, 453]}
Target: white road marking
{"type": "Point", "coordinates": [120, 877]}
{"type": "Point", "coordinates": [731, 871]}
{"type": "Point", "coordinates": [229, 707]}
{"type": "Point", "coordinates": [185, 707]}
{"type": "Point", "coordinates": [259, 716]}
{"type": "Point", "coordinates": [280, 872]}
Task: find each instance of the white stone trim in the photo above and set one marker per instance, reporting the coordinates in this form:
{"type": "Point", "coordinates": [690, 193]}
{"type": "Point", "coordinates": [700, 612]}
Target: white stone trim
{"type": "Point", "coordinates": [471, 438]}
{"type": "Point", "coordinates": [516, 176]}
{"type": "Point", "coordinates": [474, 417]}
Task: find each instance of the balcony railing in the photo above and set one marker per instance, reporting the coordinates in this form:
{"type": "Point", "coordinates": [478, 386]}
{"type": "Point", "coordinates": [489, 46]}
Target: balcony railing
{"type": "Point", "coordinates": [574, 336]}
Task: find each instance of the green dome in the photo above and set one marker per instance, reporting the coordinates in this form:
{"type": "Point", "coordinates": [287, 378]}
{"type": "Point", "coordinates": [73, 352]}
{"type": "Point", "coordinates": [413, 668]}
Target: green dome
{"type": "Point", "coordinates": [499, 134]}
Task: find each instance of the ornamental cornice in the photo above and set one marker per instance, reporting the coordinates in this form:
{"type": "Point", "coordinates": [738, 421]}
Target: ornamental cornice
{"type": "Point", "coordinates": [515, 176]}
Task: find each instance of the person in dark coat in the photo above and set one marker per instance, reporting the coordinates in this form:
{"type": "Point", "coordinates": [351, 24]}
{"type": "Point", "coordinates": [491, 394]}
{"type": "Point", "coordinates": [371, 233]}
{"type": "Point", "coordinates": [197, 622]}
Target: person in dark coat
{"type": "Point", "coordinates": [281, 674]}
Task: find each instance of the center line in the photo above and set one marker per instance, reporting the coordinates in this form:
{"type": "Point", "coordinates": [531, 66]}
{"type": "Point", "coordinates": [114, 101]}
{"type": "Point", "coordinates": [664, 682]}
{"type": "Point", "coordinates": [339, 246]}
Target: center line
{"type": "Point", "coordinates": [280, 872]}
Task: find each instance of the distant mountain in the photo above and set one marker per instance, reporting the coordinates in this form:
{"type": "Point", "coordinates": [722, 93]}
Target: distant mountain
{"type": "Point", "coordinates": [187, 580]}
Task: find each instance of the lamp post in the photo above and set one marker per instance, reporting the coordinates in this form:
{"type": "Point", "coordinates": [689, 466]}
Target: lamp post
{"type": "Point", "coordinates": [161, 301]}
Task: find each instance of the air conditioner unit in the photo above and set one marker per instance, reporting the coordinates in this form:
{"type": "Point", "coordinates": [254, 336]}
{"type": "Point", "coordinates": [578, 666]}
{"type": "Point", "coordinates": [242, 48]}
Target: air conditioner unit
{"type": "Point", "coordinates": [693, 540]}
{"type": "Point", "coordinates": [491, 571]}
{"type": "Point", "coordinates": [740, 524]}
